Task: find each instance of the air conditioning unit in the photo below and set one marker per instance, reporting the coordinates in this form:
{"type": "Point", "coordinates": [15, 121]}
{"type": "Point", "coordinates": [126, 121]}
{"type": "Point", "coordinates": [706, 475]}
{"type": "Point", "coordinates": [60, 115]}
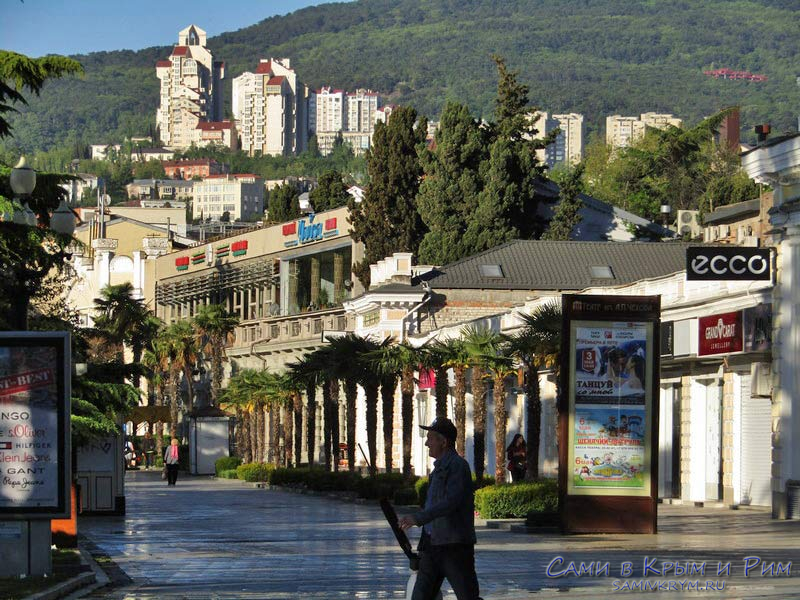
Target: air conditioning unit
{"type": "Point", "coordinates": [760, 379]}
{"type": "Point", "coordinates": [688, 223]}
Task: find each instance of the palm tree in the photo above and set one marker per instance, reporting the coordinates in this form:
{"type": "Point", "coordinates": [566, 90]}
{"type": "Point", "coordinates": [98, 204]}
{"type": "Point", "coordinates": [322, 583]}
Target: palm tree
{"type": "Point", "coordinates": [457, 357]}
{"type": "Point", "coordinates": [155, 361]}
{"type": "Point", "coordinates": [184, 355]}
{"type": "Point", "coordinates": [480, 343]}
{"type": "Point", "coordinates": [500, 365]}
{"type": "Point", "coordinates": [322, 363]}
{"type": "Point", "coordinates": [434, 357]}
{"type": "Point", "coordinates": [119, 319]}
{"type": "Point", "coordinates": [537, 345]}
{"type": "Point", "coordinates": [214, 330]}
{"type": "Point", "coordinates": [383, 360]}
{"type": "Point", "coordinates": [305, 371]}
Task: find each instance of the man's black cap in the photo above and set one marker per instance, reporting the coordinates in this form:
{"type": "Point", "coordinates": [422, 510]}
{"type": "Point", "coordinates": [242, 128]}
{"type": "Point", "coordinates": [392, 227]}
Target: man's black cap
{"type": "Point", "coordinates": [444, 427]}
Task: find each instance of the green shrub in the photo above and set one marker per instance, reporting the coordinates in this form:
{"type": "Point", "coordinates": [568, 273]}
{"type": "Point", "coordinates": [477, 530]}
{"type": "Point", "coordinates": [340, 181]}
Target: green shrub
{"type": "Point", "coordinates": [226, 463]}
{"type": "Point", "coordinates": [227, 474]}
{"type": "Point", "coordinates": [517, 499]}
{"type": "Point", "coordinates": [254, 471]}
{"type": "Point", "coordinates": [405, 496]}
{"type": "Point", "coordinates": [421, 486]}
{"type": "Point", "coordinates": [382, 485]}
{"type": "Point", "coordinates": [318, 480]}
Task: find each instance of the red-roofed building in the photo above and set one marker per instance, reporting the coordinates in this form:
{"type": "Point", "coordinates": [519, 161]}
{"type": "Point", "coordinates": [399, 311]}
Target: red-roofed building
{"type": "Point", "coordinates": [271, 110]}
{"type": "Point", "coordinates": [190, 89]}
{"type": "Point", "coordinates": [220, 133]}
{"type": "Point", "coordinates": [189, 169]}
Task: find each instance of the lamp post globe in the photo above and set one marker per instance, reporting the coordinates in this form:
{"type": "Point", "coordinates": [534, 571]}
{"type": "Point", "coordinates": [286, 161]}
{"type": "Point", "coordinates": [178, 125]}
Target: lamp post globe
{"type": "Point", "coordinates": [23, 178]}
{"type": "Point", "coordinates": [63, 220]}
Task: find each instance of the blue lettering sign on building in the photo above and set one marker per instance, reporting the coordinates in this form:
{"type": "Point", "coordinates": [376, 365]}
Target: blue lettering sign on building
{"type": "Point", "coordinates": [309, 232]}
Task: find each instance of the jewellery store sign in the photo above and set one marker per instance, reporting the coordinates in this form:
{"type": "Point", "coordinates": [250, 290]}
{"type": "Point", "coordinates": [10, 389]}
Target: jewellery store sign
{"type": "Point", "coordinates": [34, 424]}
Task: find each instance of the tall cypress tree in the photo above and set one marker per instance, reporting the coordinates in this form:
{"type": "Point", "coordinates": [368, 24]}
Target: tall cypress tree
{"type": "Point", "coordinates": [387, 220]}
{"type": "Point", "coordinates": [567, 215]}
{"type": "Point", "coordinates": [507, 206]}
{"type": "Point", "coordinates": [449, 191]}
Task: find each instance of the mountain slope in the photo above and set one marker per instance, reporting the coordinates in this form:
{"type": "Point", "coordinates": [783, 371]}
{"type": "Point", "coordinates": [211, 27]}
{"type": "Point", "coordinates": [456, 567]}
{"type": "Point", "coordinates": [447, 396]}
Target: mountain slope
{"type": "Point", "coordinates": [596, 57]}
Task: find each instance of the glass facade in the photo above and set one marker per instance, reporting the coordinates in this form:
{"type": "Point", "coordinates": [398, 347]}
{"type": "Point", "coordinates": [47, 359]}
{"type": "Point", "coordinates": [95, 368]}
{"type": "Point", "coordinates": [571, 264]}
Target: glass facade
{"type": "Point", "coordinates": [316, 282]}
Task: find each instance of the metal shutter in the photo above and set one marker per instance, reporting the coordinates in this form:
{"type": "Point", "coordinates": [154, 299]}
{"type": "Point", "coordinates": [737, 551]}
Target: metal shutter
{"type": "Point", "coordinates": [756, 449]}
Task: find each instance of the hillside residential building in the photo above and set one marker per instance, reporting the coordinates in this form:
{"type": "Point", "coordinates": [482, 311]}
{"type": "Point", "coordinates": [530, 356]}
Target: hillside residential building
{"type": "Point", "coordinates": [160, 189]}
{"type": "Point", "coordinates": [349, 115]}
{"type": "Point", "coordinates": [191, 90]}
{"type": "Point", "coordinates": [271, 109]}
{"type": "Point", "coordinates": [240, 195]}
{"type": "Point", "coordinates": [100, 151]}
{"type": "Point", "coordinates": [77, 188]}
{"type": "Point", "coordinates": [622, 131]}
{"type": "Point", "coordinates": [218, 133]}
{"type": "Point", "coordinates": [188, 169]}
{"type": "Point", "coordinates": [147, 154]}
{"type": "Point", "coordinates": [568, 146]}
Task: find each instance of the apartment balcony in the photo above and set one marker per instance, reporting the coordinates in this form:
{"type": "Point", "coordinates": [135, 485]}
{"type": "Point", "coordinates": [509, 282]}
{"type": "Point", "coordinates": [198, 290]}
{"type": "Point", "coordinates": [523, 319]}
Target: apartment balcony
{"type": "Point", "coordinates": [304, 331]}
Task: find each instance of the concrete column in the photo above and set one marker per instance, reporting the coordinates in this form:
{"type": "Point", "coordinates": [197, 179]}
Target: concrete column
{"type": "Point", "coordinates": [728, 424]}
{"type": "Point", "coordinates": [685, 391]}
{"type": "Point", "coordinates": [338, 277]}
{"type": "Point", "coordinates": [315, 282]}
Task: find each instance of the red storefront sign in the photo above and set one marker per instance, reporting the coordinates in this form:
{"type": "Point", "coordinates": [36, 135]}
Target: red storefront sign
{"type": "Point", "coordinates": [720, 334]}
{"type": "Point", "coordinates": [290, 228]}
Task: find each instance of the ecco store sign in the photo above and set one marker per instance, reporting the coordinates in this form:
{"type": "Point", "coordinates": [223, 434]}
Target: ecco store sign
{"type": "Point", "coordinates": [735, 263]}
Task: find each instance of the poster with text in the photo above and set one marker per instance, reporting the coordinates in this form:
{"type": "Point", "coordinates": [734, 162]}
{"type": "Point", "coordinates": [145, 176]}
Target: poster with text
{"type": "Point", "coordinates": [609, 446]}
{"type": "Point", "coordinates": [610, 363]}
{"type": "Point", "coordinates": [29, 427]}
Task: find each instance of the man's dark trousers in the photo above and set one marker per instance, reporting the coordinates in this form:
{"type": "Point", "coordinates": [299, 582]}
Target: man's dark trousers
{"type": "Point", "coordinates": [456, 562]}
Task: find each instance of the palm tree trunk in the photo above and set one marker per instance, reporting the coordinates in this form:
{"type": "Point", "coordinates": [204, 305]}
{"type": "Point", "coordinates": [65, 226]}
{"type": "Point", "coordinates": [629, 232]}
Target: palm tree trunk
{"type": "Point", "coordinates": [388, 386]}
{"type": "Point", "coordinates": [440, 391]}
{"type": "Point", "coordinates": [371, 393]}
{"type": "Point", "coordinates": [311, 423]}
{"type": "Point", "coordinates": [275, 433]}
{"type": "Point", "coordinates": [297, 407]}
{"type": "Point", "coordinates": [479, 415]}
{"type": "Point", "coordinates": [534, 423]}
{"type": "Point", "coordinates": [327, 429]}
{"type": "Point", "coordinates": [187, 375]}
{"type": "Point", "coordinates": [173, 408]}
{"type": "Point", "coordinates": [216, 374]}
{"type": "Point", "coordinates": [500, 420]}
{"type": "Point", "coordinates": [335, 423]}
{"type": "Point", "coordinates": [461, 409]}
{"type": "Point", "coordinates": [288, 434]}
{"type": "Point", "coordinates": [350, 396]}
{"type": "Point", "coordinates": [407, 414]}
{"type": "Point", "coordinates": [248, 431]}
{"type": "Point", "coordinates": [260, 450]}
{"type": "Point", "coordinates": [239, 432]}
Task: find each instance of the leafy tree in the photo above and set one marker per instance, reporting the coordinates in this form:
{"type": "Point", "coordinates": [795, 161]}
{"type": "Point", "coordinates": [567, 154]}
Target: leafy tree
{"type": "Point", "coordinates": [566, 217]}
{"type": "Point", "coordinates": [284, 203]}
{"type": "Point", "coordinates": [387, 220]}
{"type": "Point", "coordinates": [151, 169]}
{"type": "Point", "coordinates": [330, 193]}
{"type": "Point", "coordinates": [19, 73]}
{"type": "Point", "coordinates": [449, 191]}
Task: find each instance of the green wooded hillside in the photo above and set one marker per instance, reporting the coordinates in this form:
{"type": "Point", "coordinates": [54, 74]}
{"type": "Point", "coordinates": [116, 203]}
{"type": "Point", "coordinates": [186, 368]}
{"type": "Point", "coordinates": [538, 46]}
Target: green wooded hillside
{"type": "Point", "coordinates": [596, 57]}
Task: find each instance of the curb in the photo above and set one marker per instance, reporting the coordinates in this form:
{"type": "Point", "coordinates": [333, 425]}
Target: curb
{"type": "Point", "coordinates": [65, 587]}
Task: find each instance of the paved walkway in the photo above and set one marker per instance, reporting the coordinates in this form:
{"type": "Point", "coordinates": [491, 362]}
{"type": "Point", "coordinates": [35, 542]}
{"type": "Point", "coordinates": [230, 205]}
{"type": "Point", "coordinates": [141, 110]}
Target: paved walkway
{"type": "Point", "coordinates": [208, 538]}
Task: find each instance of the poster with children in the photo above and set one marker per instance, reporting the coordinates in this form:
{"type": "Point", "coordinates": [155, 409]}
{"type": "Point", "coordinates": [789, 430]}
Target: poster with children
{"type": "Point", "coordinates": [609, 446]}
{"type": "Point", "coordinates": [610, 363]}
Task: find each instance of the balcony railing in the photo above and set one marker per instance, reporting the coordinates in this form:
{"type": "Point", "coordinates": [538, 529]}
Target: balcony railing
{"type": "Point", "coordinates": [284, 331]}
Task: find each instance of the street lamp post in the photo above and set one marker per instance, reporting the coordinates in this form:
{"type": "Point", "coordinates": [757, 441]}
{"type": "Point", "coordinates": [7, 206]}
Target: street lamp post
{"type": "Point", "coordinates": [31, 266]}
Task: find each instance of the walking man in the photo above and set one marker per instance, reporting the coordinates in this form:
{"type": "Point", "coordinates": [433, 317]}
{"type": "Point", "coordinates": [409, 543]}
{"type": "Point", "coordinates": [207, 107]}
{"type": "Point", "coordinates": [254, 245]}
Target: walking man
{"type": "Point", "coordinates": [447, 543]}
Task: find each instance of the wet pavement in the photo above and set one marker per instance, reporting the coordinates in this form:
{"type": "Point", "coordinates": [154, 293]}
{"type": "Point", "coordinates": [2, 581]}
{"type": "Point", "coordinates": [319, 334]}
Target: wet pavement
{"type": "Point", "coordinates": [208, 538]}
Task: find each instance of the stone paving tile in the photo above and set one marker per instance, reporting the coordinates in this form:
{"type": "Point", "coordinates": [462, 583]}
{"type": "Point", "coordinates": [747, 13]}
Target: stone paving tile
{"type": "Point", "coordinates": [206, 538]}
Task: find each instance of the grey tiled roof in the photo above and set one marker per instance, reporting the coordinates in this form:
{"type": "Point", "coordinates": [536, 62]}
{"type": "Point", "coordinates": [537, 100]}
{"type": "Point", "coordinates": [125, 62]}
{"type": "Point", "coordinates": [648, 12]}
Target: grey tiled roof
{"type": "Point", "coordinates": [723, 213]}
{"type": "Point", "coordinates": [545, 265]}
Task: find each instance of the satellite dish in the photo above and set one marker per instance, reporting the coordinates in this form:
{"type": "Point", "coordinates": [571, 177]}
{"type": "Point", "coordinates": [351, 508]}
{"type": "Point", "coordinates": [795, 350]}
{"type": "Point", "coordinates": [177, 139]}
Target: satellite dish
{"type": "Point", "coordinates": [106, 199]}
{"type": "Point", "coordinates": [348, 283]}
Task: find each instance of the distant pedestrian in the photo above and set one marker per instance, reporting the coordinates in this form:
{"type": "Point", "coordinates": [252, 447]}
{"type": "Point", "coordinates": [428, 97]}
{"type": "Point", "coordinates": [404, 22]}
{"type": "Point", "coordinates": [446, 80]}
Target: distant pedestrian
{"type": "Point", "coordinates": [149, 449]}
{"type": "Point", "coordinates": [517, 458]}
{"type": "Point", "coordinates": [447, 543]}
{"type": "Point", "coordinates": [171, 462]}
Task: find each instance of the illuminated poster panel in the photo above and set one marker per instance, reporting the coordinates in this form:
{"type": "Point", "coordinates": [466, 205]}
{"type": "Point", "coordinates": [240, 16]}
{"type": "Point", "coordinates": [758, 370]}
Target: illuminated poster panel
{"type": "Point", "coordinates": [610, 408]}
{"type": "Point", "coordinates": [608, 413]}
{"type": "Point", "coordinates": [34, 424]}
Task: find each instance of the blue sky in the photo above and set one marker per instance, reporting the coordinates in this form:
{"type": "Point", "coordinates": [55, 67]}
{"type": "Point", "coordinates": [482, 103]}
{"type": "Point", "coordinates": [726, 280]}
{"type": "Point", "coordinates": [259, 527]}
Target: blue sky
{"type": "Point", "coordinates": [39, 27]}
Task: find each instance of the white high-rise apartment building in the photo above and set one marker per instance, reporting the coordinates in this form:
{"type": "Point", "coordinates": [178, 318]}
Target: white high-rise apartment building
{"type": "Point", "coordinates": [622, 131]}
{"type": "Point", "coordinates": [350, 115]}
{"type": "Point", "coordinates": [568, 145]}
{"type": "Point", "coordinates": [271, 109]}
{"type": "Point", "coordinates": [190, 89]}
